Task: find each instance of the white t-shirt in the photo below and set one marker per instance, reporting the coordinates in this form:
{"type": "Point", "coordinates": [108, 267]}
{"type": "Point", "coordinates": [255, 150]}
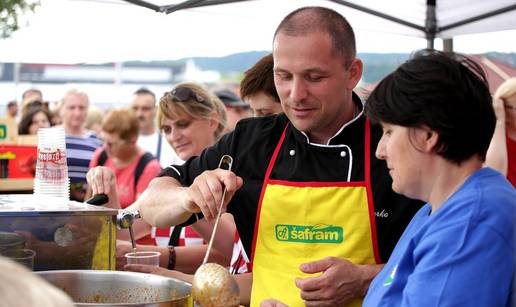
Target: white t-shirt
{"type": "Point", "coordinates": [167, 155]}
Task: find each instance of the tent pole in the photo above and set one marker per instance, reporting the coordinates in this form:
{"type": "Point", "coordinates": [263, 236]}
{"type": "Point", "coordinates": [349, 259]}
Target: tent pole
{"type": "Point", "coordinates": [378, 14]}
{"type": "Point", "coordinates": [16, 77]}
{"type": "Point", "coordinates": [430, 23]}
{"type": "Point", "coordinates": [448, 45]}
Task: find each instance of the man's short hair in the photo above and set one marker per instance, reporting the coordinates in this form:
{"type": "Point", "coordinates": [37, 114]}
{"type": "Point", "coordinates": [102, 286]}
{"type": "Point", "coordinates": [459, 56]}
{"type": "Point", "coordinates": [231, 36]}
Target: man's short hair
{"type": "Point", "coordinates": [307, 20]}
{"type": "Point", "coordinates": [11, 104]}
{"type": "Point", "coordinates": [76, 92]}
{"type": "Point", "coordinates": [31, 90]}
{"type": "Point", "coordinates": [445, 92]}
{"type": "Point", "coordinates": [259, 78]}
{"type": "Point", "coordinates": [145, 91]}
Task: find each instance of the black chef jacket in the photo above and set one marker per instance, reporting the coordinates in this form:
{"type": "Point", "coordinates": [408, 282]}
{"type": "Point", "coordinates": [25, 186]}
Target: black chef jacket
{"type": "Point", "coordinates": [251, 145]}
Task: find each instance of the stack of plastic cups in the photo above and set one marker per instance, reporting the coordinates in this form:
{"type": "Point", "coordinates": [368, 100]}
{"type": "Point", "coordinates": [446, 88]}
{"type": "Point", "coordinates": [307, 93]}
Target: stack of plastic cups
{"type": "Point", "coordinates": [51, 182]}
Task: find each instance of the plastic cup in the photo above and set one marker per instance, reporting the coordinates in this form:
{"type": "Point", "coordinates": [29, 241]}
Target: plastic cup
{"type": "Point", "coordinates": [147, 258]}
{"type": "Point", "coordinates": [51, 179]}
{"type": "Point", "coordinates": [22, 256]}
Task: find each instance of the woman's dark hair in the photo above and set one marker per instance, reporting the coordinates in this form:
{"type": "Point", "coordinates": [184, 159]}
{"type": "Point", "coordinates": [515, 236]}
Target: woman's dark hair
{"type": "Point", "coordinates": [260, 78]}
{"type": "Point", "coordinates": [26, 120]}
{"type": "Point", "coordinates": [445, 92]}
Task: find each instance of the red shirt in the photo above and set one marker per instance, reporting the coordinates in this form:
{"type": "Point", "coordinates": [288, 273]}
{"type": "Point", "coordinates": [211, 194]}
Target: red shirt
{"type": "Point", "coordinates": [511, 158]}
{"type": "Point", "coordinates": [125, 182]}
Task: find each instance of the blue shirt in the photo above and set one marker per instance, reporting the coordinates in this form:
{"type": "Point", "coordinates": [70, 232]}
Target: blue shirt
{"type": "Point", "coordinates": [461, 255]}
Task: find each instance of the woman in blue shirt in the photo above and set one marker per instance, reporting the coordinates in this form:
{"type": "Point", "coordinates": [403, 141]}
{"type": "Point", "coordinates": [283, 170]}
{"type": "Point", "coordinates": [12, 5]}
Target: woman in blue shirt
{"type": "Point", "coordinates": [458, 250]}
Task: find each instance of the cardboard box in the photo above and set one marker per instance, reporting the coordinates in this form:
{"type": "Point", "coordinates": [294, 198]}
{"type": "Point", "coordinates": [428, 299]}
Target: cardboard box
{"type": "Point", "coordinates": [18, 161]}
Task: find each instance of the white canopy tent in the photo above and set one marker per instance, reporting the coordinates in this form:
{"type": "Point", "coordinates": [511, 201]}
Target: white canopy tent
{"type": "Point", "coordinates": [448, 19]}
{"type": "Point", "coordinates": [79, 31]}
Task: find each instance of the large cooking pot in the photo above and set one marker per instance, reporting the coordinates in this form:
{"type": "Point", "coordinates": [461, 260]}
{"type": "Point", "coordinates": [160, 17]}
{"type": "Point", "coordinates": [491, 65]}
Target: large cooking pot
{"type": "Point", "coordinates": [116, 288]}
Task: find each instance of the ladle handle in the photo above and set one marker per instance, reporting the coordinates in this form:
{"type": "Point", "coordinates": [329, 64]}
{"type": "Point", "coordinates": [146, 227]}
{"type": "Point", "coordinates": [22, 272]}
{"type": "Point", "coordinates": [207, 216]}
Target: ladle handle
{"type": "Point", "coordinates": [98, 200]}
{"type": "Point", "coordinates": [226, 162]}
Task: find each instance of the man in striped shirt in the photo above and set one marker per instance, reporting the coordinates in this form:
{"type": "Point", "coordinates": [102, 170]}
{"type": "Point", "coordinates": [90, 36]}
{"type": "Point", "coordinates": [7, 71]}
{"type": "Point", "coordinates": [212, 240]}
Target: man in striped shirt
{"type": "Point", "coordinates": [80, 143]}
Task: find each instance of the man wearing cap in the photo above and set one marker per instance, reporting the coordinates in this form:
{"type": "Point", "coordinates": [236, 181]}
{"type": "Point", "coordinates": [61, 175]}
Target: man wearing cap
{"type": "Point", "coordinates": [236, 109]}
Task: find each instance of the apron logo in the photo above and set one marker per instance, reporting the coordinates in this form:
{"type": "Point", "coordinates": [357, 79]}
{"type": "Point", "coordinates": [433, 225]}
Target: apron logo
{"type": "Point", "coordinates": [320, 233]}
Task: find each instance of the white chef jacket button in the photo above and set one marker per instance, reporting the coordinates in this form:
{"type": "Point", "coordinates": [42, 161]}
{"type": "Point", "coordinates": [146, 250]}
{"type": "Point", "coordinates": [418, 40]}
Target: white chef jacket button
{"type": "Point", "coordinates": [343, 153]}
{"type": "Point", "coordinates": [292, 152]}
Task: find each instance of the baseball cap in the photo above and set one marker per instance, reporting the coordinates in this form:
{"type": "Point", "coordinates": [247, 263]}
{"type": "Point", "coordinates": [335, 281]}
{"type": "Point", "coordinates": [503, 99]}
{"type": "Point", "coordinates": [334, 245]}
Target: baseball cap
{"type": "Point", "coordinates": [230, 99]}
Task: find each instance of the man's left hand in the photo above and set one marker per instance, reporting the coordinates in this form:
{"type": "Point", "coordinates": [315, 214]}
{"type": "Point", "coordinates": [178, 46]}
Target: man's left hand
{"type": "Point", "coordinates": [340, 282]}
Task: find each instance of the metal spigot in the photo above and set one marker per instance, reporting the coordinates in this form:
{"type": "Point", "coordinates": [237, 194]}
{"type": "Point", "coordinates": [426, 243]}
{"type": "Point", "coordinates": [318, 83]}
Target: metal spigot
{"type": "Point", "coordinates": [125, 218]}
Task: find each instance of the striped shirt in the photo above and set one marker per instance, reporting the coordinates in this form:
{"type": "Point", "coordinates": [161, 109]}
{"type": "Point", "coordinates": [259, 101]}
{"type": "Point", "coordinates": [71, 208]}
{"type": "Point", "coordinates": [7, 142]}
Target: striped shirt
{"type": "Point", "coordinates": [79, 150]}
{"type": "Point", "coordinates": [187, 237]}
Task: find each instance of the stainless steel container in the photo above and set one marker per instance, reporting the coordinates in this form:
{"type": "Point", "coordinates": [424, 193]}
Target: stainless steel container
{"type": "Point", "coordinates": [71, 236]}
{"type": "Point", "coordinates": [116, 288]}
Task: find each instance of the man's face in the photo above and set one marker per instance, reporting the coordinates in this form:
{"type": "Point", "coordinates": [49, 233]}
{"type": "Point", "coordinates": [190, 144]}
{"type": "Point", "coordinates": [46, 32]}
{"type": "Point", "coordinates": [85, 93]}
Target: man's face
{"type": "Point", "coordinates": [313, 84]}
{"type": "Point", "coordinates": [13, 110]}
{"type": "Point", "coordinates": [235, 114]}
{"type": "Point", "coordinates": [144, 107]}
{"type": "Point", "coordinates": [74, 111]}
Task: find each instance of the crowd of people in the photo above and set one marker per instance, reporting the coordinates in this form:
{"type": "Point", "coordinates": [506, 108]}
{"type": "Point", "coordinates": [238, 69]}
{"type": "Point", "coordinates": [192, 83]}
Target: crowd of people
{"type": "Point", "coordinates": [406, 199]}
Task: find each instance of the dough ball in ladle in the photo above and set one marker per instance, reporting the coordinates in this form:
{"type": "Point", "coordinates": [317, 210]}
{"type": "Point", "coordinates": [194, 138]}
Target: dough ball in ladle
{"type": "Point", "coordinates": [213, 286]}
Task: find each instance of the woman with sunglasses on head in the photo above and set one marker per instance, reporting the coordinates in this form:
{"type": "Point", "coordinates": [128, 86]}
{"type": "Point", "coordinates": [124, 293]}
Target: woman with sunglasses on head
{"type": "Point", "coordinates": [191, 119]}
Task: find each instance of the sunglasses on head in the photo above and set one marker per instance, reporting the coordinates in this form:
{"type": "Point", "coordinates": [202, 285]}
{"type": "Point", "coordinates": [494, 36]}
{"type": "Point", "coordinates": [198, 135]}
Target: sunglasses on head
{"type": "Point", "coordinates": [184, 94]}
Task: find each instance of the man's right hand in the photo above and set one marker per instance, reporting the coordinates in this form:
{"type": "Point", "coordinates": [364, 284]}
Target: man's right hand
{"type": "Point", "coordinates": [205, 193]}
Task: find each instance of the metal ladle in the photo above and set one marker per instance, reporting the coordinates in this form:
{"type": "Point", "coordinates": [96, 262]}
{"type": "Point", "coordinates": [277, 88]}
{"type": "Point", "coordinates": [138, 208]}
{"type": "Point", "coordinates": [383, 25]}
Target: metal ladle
{"type": "Point", "coordinates": [212, 285]}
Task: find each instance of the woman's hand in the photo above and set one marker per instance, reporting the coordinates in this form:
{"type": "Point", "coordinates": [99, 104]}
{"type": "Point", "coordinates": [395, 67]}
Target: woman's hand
{"type": "Point", "coordinates": [499, 108]}
{"type": "Point", "coordinates": [102, 180]}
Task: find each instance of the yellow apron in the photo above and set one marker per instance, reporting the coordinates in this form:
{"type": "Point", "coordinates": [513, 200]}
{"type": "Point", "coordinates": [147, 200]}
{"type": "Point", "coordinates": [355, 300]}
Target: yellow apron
{"type": "Point", "coordinates": [299, 222]}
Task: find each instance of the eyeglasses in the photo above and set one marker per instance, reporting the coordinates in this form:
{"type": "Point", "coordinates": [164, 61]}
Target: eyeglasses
{"type": "Point", "coordinates": [115, 143]}
{"type": "Point", "coordinates": [184, 94]}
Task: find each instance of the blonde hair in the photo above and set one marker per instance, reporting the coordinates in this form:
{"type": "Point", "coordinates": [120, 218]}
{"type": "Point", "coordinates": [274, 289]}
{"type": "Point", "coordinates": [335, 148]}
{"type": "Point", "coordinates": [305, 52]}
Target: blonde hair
{"type": "Point", "coordinates": [170, 107]}
{"type": "Point", "coordinates": [94, 116]}
{"type": "Point", "coordinates": [22, 288]}
{"type": "Point", "coordinates": [75, 92]}
{"type": "Point", "coordinates": [122, 122]}
{"type": "Point", "coordinates": [506, 89]}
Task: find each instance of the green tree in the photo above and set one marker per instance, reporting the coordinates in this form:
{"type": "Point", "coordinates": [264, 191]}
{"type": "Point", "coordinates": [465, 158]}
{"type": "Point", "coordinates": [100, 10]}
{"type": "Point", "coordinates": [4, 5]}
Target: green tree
{"type": "Point", "coordinates": [10, 10]}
